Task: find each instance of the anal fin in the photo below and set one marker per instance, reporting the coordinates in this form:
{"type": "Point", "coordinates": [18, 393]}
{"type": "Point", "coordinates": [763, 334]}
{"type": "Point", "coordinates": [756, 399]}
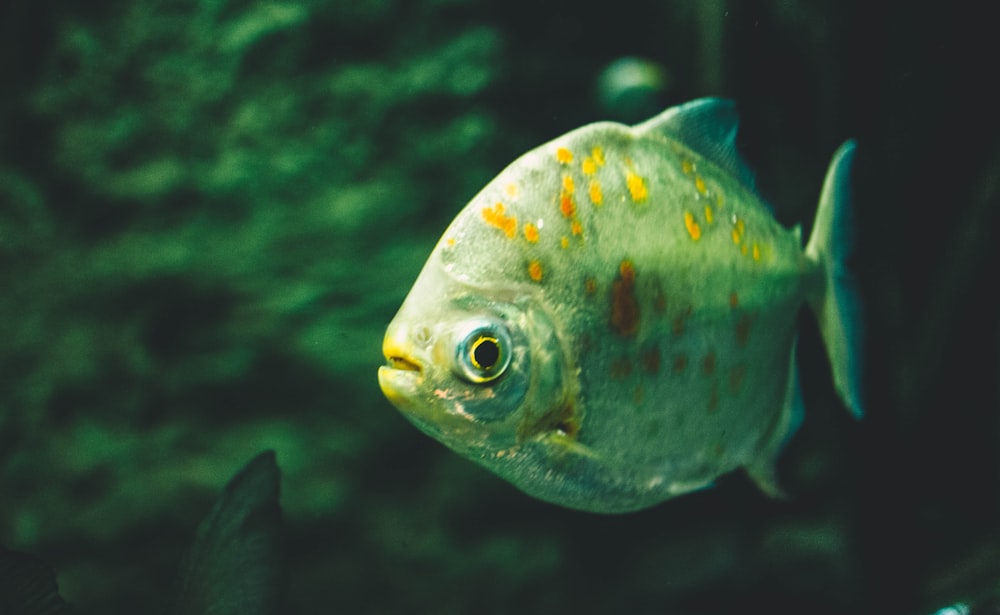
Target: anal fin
{"type": "Point", "coordinates": [763, 468]}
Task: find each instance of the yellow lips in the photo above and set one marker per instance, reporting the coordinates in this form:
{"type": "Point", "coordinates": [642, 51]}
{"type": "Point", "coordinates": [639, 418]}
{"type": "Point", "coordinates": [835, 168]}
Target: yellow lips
{"type": "Point", "coordinates": [402, 375]}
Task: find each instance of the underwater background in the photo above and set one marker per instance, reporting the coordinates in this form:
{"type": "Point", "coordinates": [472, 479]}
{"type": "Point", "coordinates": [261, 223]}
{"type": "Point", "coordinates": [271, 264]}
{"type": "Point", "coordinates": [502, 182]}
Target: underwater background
{"type": "Point", "coordinates": [210, 209]}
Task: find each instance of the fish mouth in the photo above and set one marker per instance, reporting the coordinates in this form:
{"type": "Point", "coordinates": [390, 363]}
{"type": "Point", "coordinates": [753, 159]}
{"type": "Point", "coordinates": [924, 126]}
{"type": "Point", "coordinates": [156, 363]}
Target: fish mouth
{"type": "Point", "coordinates": [401, 376]}
{"type": "Point", "coordinates": [398, 355]}
{"type": "Point", "coordinates": [402, 363]}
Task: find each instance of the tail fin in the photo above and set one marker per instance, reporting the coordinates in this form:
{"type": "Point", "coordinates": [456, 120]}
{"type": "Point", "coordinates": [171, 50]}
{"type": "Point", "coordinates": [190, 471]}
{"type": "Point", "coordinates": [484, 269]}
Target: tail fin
{"type": "Point", "coordinates": [838, 307]}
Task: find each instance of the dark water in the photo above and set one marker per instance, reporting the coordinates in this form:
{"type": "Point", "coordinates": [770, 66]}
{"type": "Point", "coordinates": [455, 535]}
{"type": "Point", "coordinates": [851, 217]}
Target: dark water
{"type": "Point", "coordinates": [210, 210]}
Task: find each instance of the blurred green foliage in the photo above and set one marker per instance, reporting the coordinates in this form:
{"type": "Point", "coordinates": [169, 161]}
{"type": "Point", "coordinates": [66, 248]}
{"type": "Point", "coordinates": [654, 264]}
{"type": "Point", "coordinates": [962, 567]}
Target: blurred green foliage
{"type": "Point", "coordinates": [209, 210]}
{"type": "Point", "coordinates": [231, 201]}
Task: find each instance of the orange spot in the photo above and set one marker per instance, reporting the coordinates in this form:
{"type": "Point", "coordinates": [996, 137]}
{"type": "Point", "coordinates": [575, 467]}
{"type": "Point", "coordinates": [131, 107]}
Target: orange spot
{"type": "Point", "coordinates": [699, 185]}
{"type": "Point", "coordinates": [650, 360]}
{"type": "Point", "coordinates": [713, 399]}
{"type": "Point", "coordinates": [564, 156]}
{"type": "Point", "coordinates": [535, 271]}
{"type": "Point", "coordinates": [495, 217]}
{"type": "Point", "coordinates": [621, 368]}
{"type": "Point", "coordinates": [566, 205]}
{"type": "Point", "coordinates": [733, 300]}
{"type": "Point", "coordinates": [590, 286]}
{"type": "Point", "coordinates": [743, 326]}
{"type": "Point", "coordinates": [680, 319]}
{"type": "Point", "coordinates": [692, 227]}
{"type": "Point", "coordinates": [596, 196]}
{"type": "Point", "coordinates": [576, 228]}
{"type": "Point", "coordinates": [568, 184]}
{"type": "Point", "coordinates": [708, 363]}
{"type": "Point", "coordinates": [511, 191]}
{"type": "Point", "coordinates": [738, 229]}
{"type": "Point", "coordinates": [709, 217]}
{"type": "Point", "coordinates": [659, 302]}
{"type": "Point", "coordinates": [743, 249]}
{"type": "Point", "coordinates": [627, 270]}
{"type": "Point", "coordinates": [680, 363]}
{"type": "Point", "coordinates": [588, 166]}
{"type": "Point", "coordinates": [624, 303]}
{"type": "Point", "coordinates": [531, 232]}
{"type": "Point", "coordinates": [598, 155]}
{"type": "Point", "coordinates": [687, 166]}
{"type": "Point", "coordinates": [638, 395]}
{"type": "Point", "coordinates": [636, 187]}
{"type": "Point", "coordinates": [736, 377]}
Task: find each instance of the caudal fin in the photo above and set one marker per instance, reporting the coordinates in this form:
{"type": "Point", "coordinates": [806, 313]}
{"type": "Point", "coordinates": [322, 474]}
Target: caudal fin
{"type": "Point", "coordinates": [838, 307]}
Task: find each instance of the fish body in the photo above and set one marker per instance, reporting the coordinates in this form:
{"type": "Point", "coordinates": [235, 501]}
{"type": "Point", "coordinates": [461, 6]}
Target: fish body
{"type": "Point", "coordinates": [611, 321]}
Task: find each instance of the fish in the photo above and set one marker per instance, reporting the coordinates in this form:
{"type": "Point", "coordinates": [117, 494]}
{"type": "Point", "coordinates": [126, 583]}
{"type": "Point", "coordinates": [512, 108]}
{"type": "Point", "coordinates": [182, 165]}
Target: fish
{"type": "Point", "coordinates": [631, 88]}
{"type": "Point", "coordinates": [234, 566]}
{"type": "Point", "coordinates": [611, 321]}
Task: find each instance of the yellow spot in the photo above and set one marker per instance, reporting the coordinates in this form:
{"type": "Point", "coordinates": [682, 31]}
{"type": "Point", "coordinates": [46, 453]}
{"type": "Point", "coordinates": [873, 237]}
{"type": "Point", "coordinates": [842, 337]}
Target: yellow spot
{"type": "Point", "coordinates": [598, 155]}
{"type": "Point", "coordinates": [568, 185]}
{"type": "Point", "coordinates": [636, 187]}
{"type": "Point", "coordinates": [451, 242]}
{"type": "Point", "coordinates": [535, 271]}
{"type": "Point", "coordinates": [531, 232]}
{"type": "Point", "coordinates": [687, 166]}
{"type": "Point", "coordinates": [511, 191]}
{"type": "Point", "coordinates": [566, 205]}
{"type": "Point", "coordinates": [756, 252]}
{"type": "Point", "coordinates": [738, 228]}
{"type": "Point", "coordinates": [692, 227]}
{"type": "Point", "coordinates": [699, 185]}
{"type": "Point", "coordinates": [495, 217]}
{"type": "Point", "coordinates": [576, 228]}
{"type": "Point", "coordinates": [743, 249]}
{"type": "Point", "coordinates": [596, 196]}
{"type": "Point", "coordinates": [564, 242]}
{"type": "Point", "coordinates": [708, 214]}
{"type": "Point", "coordinates": [564, 156]}
{"type": "Point", "coordinates": [588, 166]}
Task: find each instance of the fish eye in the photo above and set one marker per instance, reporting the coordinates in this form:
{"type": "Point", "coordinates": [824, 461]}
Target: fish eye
{"type": "Point", "coordinates": [483, 354]}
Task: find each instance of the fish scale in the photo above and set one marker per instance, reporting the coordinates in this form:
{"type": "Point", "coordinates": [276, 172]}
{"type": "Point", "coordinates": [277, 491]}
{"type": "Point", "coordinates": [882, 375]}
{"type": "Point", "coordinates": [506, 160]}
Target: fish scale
{"type": "Point", "coordinates": [643, 300]}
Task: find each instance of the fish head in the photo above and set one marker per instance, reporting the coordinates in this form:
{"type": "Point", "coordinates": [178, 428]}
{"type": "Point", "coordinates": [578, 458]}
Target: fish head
{"type": "Point", "coordinates": [479, 367]}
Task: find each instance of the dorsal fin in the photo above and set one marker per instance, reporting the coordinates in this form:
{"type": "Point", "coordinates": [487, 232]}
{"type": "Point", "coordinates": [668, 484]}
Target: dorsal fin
{"type": "Point", "coordinates": [708, 126]}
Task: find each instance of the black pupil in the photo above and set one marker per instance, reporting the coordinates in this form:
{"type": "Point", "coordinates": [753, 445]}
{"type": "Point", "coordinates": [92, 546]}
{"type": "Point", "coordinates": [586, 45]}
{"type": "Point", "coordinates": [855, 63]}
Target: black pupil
{"type": "Point", "coordinates": [485, 352]}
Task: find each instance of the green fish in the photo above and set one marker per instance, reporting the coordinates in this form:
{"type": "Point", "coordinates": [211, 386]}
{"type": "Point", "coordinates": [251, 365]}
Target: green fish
{"type": "Point", "coordinates": [611, 321]}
